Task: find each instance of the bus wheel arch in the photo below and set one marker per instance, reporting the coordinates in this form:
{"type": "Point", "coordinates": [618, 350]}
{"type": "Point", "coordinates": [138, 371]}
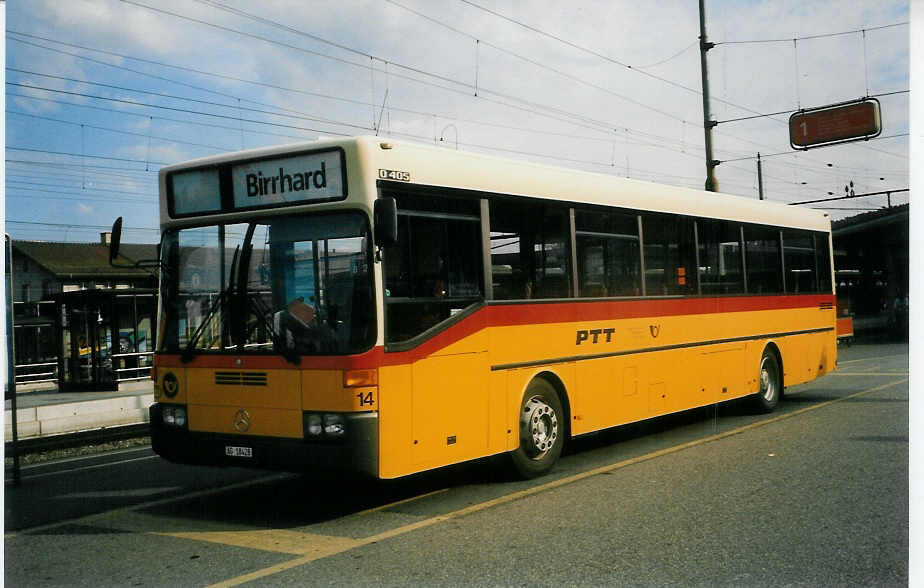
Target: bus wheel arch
{"type": "Point", "coordinates": [553, 379]}
{"type": "Point", "coordinates": [543, 426]}
{"type": "Point", "coordinates": [769, 378]}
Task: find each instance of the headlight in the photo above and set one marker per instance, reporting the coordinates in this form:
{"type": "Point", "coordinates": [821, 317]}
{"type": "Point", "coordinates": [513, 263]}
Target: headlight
{"type": "Point", "coordinates": [334, 425]}
{"type": "Point", "coordinates": [174, 416]}
{"type": "Point", "coordinates": [330, 426]}
{"type": "Point", "coordinates": [313, 425]}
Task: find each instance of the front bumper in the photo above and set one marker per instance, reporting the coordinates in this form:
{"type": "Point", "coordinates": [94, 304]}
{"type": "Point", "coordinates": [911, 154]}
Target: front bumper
{"type": "Point", "coordinates": [357, 452]}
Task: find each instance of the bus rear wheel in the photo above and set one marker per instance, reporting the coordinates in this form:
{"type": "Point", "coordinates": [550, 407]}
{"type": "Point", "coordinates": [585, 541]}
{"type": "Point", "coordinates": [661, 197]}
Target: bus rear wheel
{"type": "Point", "coordinates": [771, 382]}
{"type": "Point", "coordinates": [542, 428]}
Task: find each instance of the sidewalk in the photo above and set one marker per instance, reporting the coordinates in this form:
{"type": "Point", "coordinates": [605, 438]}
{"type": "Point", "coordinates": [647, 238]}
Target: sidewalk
{"type": "Point", "coordinates": [42, 413]}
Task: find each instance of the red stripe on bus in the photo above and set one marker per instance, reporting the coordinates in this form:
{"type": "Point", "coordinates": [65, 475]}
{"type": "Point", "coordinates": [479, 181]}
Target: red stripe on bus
{"type": "Point", "coordinates": [558, 312]}
{"type": "Point", "coordinates": [504, 315]}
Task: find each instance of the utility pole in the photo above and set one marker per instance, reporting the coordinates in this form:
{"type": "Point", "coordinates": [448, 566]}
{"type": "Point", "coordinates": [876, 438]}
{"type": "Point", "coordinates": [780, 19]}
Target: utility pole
{"type": "Point", "coordinates": [760, 178]}
{"type": "Point", "coordinates": [705, 46]}
{"type": "Point", "coordinates": [11, 357]}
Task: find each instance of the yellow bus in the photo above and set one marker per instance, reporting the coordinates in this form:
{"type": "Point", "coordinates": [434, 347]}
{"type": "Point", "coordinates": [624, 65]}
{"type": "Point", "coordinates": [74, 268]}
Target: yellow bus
{"type": "Point", "coordinates": [386, 307]}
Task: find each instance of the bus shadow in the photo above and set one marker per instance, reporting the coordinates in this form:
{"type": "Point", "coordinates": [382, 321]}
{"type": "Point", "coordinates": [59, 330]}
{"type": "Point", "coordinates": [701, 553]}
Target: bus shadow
{"type": "Point", "coordinates": [311, 498]}
{"type": "Point", "coordinates": [659, 426]}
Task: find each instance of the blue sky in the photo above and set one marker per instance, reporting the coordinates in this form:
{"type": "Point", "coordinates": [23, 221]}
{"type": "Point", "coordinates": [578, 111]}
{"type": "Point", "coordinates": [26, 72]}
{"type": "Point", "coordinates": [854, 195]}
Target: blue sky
{"type": "Point", "coordinates": [102, 93]}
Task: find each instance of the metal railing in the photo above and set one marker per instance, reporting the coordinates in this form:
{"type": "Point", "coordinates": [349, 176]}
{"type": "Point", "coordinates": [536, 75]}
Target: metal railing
{"type": "Point", "coordinates": [134, 374]}
{"type": "Point", "coordinates": [47, 372]}
{"type": "Point", "coordinates": [43, 373]}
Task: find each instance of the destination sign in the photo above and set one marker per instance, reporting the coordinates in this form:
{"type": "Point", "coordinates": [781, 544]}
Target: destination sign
{"type": "Point", "coordinates": [195, 192]}
{"type": "Point", "coordinates": [305, 178]}
{"type": "Point", "coordinates": [318, 176]}
{"type": "Point", "coordinates": [835, 124]}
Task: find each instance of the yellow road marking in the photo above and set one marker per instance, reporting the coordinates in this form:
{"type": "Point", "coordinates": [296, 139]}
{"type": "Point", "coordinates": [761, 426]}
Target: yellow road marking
{"type": "Point", "coordinates": [393, 504]}
{"type": "Point", "coordinates": [894, 374]}
{"type": "Point", "coordinates": [308, 558]}
{"type": "Point", "coordinates": [90, 519]}
{"type": "Point", "coordinates": [276, 540]}
{"type": "Point", "coordinates": [877, 358]}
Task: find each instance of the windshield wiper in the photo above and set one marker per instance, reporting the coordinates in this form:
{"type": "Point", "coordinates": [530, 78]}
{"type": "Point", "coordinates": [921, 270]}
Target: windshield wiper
{"type": "Point", "coordinates": [248, 302]}
{"type": "Point", "coordinates": [188, 353]}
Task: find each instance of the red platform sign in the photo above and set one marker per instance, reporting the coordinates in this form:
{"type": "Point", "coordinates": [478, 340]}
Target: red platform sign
{"type": "Point", "coordinates": [835, 124]}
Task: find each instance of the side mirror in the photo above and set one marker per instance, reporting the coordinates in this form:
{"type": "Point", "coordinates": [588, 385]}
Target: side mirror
{"type": "Point", "coordinates": [385, 217]}
{"type": "Point", "coordinates": [115, 240]}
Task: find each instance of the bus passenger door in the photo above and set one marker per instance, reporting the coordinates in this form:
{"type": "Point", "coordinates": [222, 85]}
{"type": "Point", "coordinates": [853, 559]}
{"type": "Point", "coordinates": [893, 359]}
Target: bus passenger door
{"type": "Point", "coordinates": [449, 412]}
{"type": "Point", "coordinates": [434, 284]}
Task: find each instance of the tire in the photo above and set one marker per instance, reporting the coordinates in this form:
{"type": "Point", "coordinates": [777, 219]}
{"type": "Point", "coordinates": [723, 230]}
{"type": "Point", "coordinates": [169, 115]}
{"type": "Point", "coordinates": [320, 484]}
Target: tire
{"type": "Point", "coordinates": [542, 430]}
{"type": "Point", "coordinates": [770, 376]}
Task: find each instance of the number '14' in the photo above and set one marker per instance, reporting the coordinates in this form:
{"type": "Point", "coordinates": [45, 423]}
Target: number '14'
{"type": "Point", "coordinates": [365, 399]}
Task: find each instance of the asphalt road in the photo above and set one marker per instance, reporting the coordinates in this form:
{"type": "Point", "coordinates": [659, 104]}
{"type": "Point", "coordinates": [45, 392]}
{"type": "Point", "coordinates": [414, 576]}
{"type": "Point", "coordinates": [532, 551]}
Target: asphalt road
{"type": "Point", "coordinates": [815, 494]}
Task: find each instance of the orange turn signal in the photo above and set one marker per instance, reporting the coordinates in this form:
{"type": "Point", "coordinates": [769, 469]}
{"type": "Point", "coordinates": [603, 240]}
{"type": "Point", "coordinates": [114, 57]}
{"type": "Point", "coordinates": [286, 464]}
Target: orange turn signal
{"type": "Point", "coordinates": [357, 378]}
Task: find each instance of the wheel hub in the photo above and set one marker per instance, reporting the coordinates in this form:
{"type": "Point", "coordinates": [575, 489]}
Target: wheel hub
{"type": "Point", "coordinates": [767, 387]}
{"type": "Point", "coordinates": [538, 428]}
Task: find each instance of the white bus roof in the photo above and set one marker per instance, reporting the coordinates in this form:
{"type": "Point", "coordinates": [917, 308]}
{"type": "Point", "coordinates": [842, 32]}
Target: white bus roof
{"type": "Point", "coordinates": [431, 165]}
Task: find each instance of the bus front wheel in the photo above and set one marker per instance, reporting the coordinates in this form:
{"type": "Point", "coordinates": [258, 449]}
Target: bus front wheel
{"type": "Point", "coordinates": [771, 382]}
{"type": "Point", "coordinates": [542, 428]}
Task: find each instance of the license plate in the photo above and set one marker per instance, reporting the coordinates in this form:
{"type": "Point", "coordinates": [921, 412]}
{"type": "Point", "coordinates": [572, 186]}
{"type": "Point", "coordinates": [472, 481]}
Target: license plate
{"type": "Point", "coordinates": [232, 451]}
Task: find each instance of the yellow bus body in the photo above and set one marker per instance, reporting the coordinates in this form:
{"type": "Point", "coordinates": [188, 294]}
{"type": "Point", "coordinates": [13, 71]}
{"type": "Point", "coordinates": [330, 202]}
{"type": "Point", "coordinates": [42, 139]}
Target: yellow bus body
{"type": "Point", "coordinates": [456, 396]}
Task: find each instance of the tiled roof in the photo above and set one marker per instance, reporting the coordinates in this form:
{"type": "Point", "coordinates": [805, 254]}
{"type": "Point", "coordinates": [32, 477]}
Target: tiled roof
{"type": "Point", "coordinates": [86, 260]}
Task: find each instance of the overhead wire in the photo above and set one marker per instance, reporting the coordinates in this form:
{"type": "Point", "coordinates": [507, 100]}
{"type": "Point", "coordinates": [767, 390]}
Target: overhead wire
{"type": "Point", "coordinates": [620, 63]}
{"type": "Point", "coordinates": [188, 111]}
{"type": "Point", "coordinates": [122, 132]}
{"type": "Point", "coordinates": [299, 116]}
{"type": "Point", "coordinates": [463, 87]}
{"type": "Point", "coordinates": [809, 37]}
{"type": "Point", "coordinates": [287, 89]}
{"type": "Point", "coordinates": [160, 117]}
{"type": "Point", "coordinates": [418, 137]}
{"type": "Point", "coordinates": [232, 106]}
{"type": "Point", "coordinates": [596, 126]}
{"type": "Point", "coordinates": [608, 164]}
{"type": "Point", "coordinates": [534, 62]}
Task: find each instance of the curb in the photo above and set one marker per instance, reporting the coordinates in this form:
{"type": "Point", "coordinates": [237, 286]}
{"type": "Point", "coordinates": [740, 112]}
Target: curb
{"type": "Point", "coordinates": [72, 417]}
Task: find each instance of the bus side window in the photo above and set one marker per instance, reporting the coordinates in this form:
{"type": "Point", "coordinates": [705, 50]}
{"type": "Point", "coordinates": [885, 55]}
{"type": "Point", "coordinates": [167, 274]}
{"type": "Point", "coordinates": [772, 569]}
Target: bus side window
{"type": "Point", "coordinates": [530, 251]}
{"type": "Point", "coordinates": [670, 255]}
{"type": "Point", "coordinates": [608, 255]}
{"type": "Point", "coordinates": [720, 258]}
{"type": "Point", "coordinates": [763, 259]}
{"type": "Point", "coordinates": [823, 263]}
{"type": "Point", "coordinates": [435, 268]}
{"type": "Point", "coordinates": [799, 261]}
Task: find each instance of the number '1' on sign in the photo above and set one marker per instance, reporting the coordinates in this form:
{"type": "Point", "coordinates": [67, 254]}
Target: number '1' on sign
{"type": "Point", "coordinates": [834, 124]}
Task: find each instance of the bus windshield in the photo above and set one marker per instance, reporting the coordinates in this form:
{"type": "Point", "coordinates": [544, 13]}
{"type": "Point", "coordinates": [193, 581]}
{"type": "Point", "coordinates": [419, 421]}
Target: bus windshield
{"type": "Point", "coordinates": [291, 285]}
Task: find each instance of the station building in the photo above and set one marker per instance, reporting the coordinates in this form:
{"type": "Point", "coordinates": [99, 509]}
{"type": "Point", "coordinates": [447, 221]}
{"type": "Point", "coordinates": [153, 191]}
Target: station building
{"type": "Point", "coordinates": [79, 322]}
{"type": "Point", "coordinates": [871, 261]}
